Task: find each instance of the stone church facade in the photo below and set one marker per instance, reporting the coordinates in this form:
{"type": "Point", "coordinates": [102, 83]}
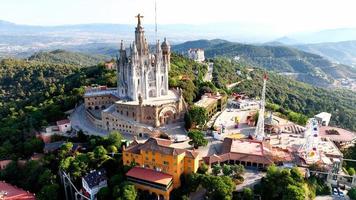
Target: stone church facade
{"type": "Point", "coordinates": [143, 100]}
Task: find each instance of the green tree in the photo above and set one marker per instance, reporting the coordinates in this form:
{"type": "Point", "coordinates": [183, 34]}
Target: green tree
{"type": "Point", "coordinates": [227, 170]}
{"type": "Point", "coordinates": [100, 153]}
{"type": "Point", "coordinates": [116, 191]}
{"type": "Point", "coordinates": [238, 169]}
{"type": "Point", "coordinates": [116, 179]}
{"type": "Point", "coordinates": [65, 150]}
{"type": "Point", "coordinates": [46, 178]}
{"type": "Point", "coordinates": [112, 149]}
{"type": "Point", "coordinates": [216, 169]}
{"type": "Point", "coordinates": [197, 139]}
{"type": "Point", "coordinates": [48, 192]}
{"type": "Point", "coordinates": [193, 180]}
{"type": "Point", "coordinates": [351, 171]}
{"type": "Point", "coordinates": [296, 175]}
{"type": "Point", "coordinates": [283, 184]}
{"type": "Point", "coordinates": [188, 123]}
{"type": "Point", "coordinates": [115, 138]}
{"type": "Point", "coordinates": [104, 193]}
{"type": "Point", "coordinates": [352, 193]}
{"type": "Point", "coordinates": [189, 90]}
{"type": "Point", "coordinates": [11, 173]}
{"type": "Point", "coordinates": [218, 187]}
{"type": "Point", "coordinates": [247, 194]}
{"type": "Point", "coordinates": [197, 116]}
{"type": "Point", "coordinates": [294, 192]}
{"type": "Point", "coordinates": [129, 192]}
{"type": "Point", "coordinates": [203, 169]}
{"type": "Point", "coordinates": [33, 145]}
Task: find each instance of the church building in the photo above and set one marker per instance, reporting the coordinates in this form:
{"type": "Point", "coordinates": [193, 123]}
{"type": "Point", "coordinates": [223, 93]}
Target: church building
{"type": "Point", "coordinates": [142, 100]}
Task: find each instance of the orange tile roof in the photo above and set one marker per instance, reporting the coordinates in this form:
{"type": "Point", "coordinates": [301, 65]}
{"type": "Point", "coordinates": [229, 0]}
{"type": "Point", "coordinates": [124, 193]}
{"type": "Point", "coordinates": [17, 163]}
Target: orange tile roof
{"type": "Point", "coordinates": [155, 145]}
{"type": "Point", "coordinates": [248, 151]}
{"type": "Point", "coordinates": [149, 175]}
{"type": "Point", "coordinates": [14, 193]}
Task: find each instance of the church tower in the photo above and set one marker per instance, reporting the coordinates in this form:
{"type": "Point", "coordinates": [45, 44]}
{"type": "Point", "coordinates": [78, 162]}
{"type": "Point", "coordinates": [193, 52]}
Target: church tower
{"type": "Point", "coordinates": [140, 40]}
{"type": "Point", "coordinates": [143, 74]}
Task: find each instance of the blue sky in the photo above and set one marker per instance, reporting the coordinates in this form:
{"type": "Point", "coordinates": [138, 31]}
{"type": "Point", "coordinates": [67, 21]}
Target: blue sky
{"type": "Point", "coordinates": [279, 15]}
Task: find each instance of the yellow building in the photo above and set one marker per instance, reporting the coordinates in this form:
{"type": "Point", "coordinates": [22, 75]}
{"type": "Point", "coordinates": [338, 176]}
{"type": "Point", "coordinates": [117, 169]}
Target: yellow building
{"type": "Point", "coordinates": [212, 103]}
{"type": "Point", "coordinates": [158, 165]}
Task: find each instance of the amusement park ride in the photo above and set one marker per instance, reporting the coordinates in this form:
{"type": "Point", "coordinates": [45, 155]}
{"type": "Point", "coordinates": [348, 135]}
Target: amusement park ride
{"type": "Point", "coordinates": [259, 133]}
{"type": "Point", "coordinates": [309, 150]}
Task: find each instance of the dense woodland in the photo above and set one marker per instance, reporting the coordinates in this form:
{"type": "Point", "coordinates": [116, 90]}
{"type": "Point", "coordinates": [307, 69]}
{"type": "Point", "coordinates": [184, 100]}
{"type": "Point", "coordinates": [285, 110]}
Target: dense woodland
{"type": "Point", "coordinates": [65, 57]}
{"type": "Point", "coordinates": [34, 94]}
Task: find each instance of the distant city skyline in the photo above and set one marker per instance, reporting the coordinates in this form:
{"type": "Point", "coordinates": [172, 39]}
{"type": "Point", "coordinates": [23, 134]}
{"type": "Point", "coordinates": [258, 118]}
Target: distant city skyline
{"type": "Point", "coordinates": [279, 16]}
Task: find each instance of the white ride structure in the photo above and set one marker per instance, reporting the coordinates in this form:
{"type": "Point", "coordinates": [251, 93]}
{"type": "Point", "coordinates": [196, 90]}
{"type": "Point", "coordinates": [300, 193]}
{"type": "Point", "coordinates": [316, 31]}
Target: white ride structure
{"type": "Point", "coordinates": [309, 150]}
{"type": "Point", "coordinates": [260, 128]}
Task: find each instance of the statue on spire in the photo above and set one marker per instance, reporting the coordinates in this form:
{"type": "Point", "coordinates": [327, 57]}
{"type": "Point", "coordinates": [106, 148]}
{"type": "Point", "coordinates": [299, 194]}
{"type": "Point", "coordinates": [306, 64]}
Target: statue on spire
{"type": "Point", "coordinates": [139, 16]}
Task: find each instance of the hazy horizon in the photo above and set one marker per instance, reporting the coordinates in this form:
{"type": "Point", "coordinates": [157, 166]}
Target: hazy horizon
{"type": "Point", "coordinates": [276, 17]}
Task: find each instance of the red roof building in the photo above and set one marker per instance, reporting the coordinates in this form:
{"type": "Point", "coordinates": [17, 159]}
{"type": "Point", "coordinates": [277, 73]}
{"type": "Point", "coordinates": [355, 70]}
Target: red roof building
{"type": "Point", "coordinates": [4, 163]}
{"type": "Point", "coordinates": [150, 176]}
{"type": "Point", "coordinates": [158, 183]}
{"type": "Point", "coordinates": [63, 122]}
{"type": "Point", "coordinates": [10, 192]}
{"type": "Point", "coordinates": [249, 153]}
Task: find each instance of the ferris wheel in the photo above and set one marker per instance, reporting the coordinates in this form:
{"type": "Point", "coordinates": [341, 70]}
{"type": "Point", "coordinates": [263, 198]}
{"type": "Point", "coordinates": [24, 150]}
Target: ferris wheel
{"type": "Point", "coordinates": [309, 150]}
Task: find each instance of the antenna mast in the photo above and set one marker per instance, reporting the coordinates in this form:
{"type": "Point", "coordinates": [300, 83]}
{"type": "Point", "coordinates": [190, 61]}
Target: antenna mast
{"type": "Point", "coordinates": [156, 20]}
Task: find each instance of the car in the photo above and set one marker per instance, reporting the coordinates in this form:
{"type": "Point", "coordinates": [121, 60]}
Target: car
{"type": "Point", "coordinates": [341, 193]}
{"type": "Point", "coordinates": [180, 138]}
{"type": "Point", "coordinates": [335, 191]}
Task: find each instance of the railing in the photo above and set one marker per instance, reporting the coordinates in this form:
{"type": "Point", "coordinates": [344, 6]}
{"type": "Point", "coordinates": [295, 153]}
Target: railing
{"type": "Point", "coordinates": [66, 181]}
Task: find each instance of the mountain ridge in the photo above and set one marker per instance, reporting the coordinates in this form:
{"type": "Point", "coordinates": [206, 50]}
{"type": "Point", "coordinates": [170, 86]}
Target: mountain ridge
{"type": "Point", "coordinates": [310, 68]}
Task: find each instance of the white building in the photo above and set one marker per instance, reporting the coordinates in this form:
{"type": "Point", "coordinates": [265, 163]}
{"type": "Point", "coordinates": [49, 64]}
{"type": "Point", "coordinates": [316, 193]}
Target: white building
{"type": "Point", "coordinates": [323, 118]}
{"type": "Point", "coordinates": [93, 182]}
{"type": "Point", "coordinates": [143, 74]}
{"type": "Point", "coordinates": [64, 125]}
{"type": "Point", "coordinates": [196, 54]}
{"type": "Point", "coordinates": [244, 104]}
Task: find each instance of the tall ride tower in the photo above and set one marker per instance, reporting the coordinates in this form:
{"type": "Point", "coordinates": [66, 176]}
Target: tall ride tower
{"type": "Point", "coordinates": [260, 128]}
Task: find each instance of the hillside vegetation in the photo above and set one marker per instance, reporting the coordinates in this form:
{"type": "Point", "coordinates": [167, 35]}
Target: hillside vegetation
{"type": "Point", "coordinates": [287, 93]}
{"type": "Point", "coordinates": [342, 52]}
{"type": "Point", "coordinates": [64, 57]}
{"type": "Point", "coordinates": [34, 94]}
{"type": "Point", "coordinates": [306, 67]}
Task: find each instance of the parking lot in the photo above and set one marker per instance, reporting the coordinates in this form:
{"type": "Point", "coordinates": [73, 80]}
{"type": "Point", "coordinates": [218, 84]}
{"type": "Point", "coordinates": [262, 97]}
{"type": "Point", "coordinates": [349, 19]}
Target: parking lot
{"type": "Point", "coordinates": [336, 194]}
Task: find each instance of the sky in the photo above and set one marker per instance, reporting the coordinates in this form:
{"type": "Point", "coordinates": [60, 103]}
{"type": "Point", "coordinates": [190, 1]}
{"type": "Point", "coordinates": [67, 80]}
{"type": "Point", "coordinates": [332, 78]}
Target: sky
{"type": "Point", "coordinates": [281, 16]}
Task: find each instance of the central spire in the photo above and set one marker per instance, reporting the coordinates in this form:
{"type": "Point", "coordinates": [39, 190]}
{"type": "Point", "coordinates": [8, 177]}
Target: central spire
{"type": "Point", "coordinates": [140, 40]}
{"type": "Point", "coordinates": [139, 16]}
